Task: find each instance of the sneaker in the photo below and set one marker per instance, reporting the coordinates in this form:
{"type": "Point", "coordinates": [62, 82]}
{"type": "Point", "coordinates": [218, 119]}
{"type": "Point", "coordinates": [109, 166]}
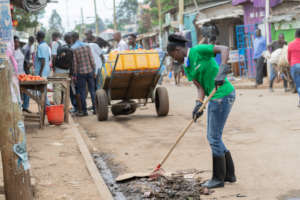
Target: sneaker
{"type": "Point", "coordinates": [82, 114]}
{"type": "Point", "coordinates": [26, 110]}
{"type": "Point", "coordinates": [94, 112]}
{"type": "Point", "coordinates": [286, 90]}
{"type": "Point", "coordinates": [271, 90]}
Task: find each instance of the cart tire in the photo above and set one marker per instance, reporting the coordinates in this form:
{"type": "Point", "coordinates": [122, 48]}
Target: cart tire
{"type": "Point", "coordinates": [102, 105]}
{"type": "Point", "coordinates": [162, 101]}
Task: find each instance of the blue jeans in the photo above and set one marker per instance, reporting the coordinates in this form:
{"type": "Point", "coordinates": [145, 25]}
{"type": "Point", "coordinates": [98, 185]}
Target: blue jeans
{"type": "Point", "coordinates": [217, 114]}
{"type": "Point", "coordinates": [273, 76]}
{"type": "Point", "coordinates": [82, 79]}
{"type": "Point", "coordinates": [295, 72]}
{"type": "Point", "coordinates": [73, 98]}
{"type": "Point", "coordinates": [25, 98]}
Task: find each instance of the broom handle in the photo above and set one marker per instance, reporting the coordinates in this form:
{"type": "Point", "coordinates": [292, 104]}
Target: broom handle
{"type": "Point", "coordinates": [187, 128]}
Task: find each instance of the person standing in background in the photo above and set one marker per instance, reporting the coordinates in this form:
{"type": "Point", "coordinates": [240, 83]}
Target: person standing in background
{"type": "Point", "coordinates": [278, 44]}
{"type": "Point", "coordinates": [28, 51]}
{"type": "Point", "coordinates": [84, 72]}
{"type": "Point", "coordinates": [97, 55]}
{"type": "Point", "coordinates": [259, 46]}
{"type": "Point", "coordinates": [56, 44]}
{"type": "Point", "coordinates": [294, 60]}
{"type": "Point", "coordinates": [133, 45]}
{"type": "Point", "coordinates": [61, 63]}
{"type": "Point", "coordinates": [42, 59]}
{"type": "Point", "coordinates": [19, 57]}
{"type": "Point", "coordinates": [121, 44]}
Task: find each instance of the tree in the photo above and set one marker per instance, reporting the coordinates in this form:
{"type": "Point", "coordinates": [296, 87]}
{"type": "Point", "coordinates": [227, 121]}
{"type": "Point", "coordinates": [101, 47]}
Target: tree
{"type": "Point", "coordinates": [127, 13]}
{"type": "Point", "coordinates": [55, 24]}
{"type": "Point", "coordinates": [27, 19]}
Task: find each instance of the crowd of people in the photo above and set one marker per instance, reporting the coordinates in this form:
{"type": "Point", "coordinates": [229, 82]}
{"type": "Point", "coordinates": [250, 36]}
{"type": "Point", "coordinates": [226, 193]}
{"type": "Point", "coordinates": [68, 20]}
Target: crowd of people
{"type": "Point", "coordinates": [284, 59]}
{"type": "Point", "coordinates": [69, 56]}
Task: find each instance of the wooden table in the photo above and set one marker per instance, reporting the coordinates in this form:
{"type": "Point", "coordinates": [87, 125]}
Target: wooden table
{"type": "Point", "coordinates": [65, 82]}
{"type": "Point", "coordinates": [36, 90]}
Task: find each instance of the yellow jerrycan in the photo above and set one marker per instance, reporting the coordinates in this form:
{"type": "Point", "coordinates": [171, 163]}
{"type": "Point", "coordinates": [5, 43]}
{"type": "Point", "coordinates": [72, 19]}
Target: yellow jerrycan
{"type": "Point", "coordinates": [153, 57]}
{"type": "Point", "coordinates": [141, 58]}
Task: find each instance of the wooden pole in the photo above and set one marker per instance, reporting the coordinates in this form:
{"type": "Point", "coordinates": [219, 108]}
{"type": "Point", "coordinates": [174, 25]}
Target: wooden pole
{"type": "Point", "coordinates": [115, 18]}
{"type": "Point", "coordinates": [12, 131]}
{"type": "Point", "coordinates": [96, 17]}
{"type": "Point", "coordinates": [16, 179]}
{"type": "Point", "coordinates": [181, 11]}
{"type": "Point", "coordinates": [160, 22]}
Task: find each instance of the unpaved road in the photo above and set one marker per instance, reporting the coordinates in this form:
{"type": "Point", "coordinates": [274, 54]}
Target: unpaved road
{"type": "Point", "coordinates": [263, 134]}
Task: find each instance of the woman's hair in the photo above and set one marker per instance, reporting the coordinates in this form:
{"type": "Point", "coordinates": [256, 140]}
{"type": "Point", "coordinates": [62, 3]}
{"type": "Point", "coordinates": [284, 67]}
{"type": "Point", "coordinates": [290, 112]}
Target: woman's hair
{"type": "Point", "coordinates": [176, 41]}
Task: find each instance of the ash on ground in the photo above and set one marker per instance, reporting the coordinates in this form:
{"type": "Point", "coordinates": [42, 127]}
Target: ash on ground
{"type": "Point", "coordinates": [180, 186]}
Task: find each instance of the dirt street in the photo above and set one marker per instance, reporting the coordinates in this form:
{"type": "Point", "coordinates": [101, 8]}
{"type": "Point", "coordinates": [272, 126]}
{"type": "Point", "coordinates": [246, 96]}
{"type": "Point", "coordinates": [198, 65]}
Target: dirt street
{"type": "Point", "coordinates": [58, 168]}
{"type": "Point", "coordinates": [263, 134]}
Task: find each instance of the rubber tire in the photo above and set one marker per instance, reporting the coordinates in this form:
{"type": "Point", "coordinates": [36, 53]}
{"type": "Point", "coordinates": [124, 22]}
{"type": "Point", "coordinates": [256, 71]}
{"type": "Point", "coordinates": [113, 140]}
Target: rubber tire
{"type": "Point", "coordinates": [116, 110]}
{"type": "Point", "coordinates": [101, 105]}
{"type": "Point", "coordinates": [162, 101]}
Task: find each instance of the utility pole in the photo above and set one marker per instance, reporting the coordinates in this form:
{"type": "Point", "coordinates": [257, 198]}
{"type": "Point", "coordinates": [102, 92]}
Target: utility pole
{"type": "Point", "coordinates": [160, 23]}
{"type": "Point", "coordinates": [181, 11]}
{"type": "Point", "coordinates": [97, 19]}
{"type": "Point", "coordinates": [267, 27]}
{"type": "Point", "coordinates": [16, 174]}
{"type": "Point", "coordinates": [68, 15]}
{"type": "Point", "coordinates": [82, 27]}
{"type": "Point", "coordinates": [115, 18]}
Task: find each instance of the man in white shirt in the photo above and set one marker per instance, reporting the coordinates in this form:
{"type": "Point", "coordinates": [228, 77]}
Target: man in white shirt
{"type": "Point", "coordinates": [121, 44]}
{"type": "Point", "coordinates": [97, 52]}
{"type": "Point", "coordinates": [57, 43]}
{"type": "Point", "coordinates": [28, 51]}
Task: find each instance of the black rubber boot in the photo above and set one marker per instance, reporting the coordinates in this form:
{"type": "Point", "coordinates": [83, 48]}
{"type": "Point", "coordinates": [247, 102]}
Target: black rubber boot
{"type": "Point", "coordinates": [219, 171]}
{"type": "Point", "coordinates": [230, 175]}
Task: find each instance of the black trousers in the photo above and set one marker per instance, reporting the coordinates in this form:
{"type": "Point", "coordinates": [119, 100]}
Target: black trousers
{"type": "Point", "coordinates": [259, 63]}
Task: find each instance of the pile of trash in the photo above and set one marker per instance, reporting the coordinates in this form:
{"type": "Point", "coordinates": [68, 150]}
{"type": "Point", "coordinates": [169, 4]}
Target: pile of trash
{"type": "Point", "coordinates": [181, 186]}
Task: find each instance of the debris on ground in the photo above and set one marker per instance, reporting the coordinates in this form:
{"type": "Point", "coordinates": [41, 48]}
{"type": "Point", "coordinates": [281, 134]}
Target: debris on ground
{"type": "Point", "coordinates": [181, 186]}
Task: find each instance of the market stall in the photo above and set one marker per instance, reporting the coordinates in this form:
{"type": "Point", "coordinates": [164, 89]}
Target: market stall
{"type": "Point", "coordinates": [36, 90]}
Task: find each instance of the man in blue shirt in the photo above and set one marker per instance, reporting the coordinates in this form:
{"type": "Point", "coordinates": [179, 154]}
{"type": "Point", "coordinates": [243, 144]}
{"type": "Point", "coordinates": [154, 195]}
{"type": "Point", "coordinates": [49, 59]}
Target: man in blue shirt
{"type": "Point", "coordinates": [42, 58]}
{"type": "Point", "coordinates": [259, 46]}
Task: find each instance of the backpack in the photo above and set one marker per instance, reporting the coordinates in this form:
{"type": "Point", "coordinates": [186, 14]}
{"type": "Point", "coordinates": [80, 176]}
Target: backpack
{"type": "Point", "coordinates": [64, 57]}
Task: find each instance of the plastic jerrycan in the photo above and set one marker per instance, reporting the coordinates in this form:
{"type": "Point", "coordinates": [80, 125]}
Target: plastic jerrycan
{"type": "Point", "coordinates": [128, 60]}
{"type": "Point", "coordinates": [153, 57]}
{"type": "Point", "coordinates": [119, 64]}
{"type": "Point", "coordinates": [141, 58]}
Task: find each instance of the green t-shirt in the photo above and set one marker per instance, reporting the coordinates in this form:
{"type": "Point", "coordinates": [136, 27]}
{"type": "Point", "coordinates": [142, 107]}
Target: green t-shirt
{"type": "Point", "coordinates": [203, 68]}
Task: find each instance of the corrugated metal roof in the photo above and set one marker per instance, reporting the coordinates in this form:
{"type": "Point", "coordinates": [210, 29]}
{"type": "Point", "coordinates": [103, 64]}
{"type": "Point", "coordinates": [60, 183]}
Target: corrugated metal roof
{"type": "Point", "coordinates": [235, 11]}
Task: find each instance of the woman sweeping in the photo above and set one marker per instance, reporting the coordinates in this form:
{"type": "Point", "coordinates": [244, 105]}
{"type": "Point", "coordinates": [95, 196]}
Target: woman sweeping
{"type": "Point", "coordinates": [201, 68]}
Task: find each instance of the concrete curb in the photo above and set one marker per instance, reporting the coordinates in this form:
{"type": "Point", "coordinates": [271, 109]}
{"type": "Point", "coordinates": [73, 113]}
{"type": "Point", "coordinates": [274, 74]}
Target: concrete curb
{"type": "Point", "coordinates": [102, 188]}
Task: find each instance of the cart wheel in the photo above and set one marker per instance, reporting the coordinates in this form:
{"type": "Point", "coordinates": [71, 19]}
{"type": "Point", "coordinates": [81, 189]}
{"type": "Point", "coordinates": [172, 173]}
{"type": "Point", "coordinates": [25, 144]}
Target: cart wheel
{"type": "Point", "coordinates": [102, 105]}
{"type": "Point", "coordinates": [162, 101]}
{"type": "Point", "coordinates": [153, 97]}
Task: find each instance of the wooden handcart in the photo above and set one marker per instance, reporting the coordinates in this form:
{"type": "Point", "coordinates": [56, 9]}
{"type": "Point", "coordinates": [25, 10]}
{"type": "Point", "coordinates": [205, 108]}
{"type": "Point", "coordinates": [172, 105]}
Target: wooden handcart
{"type": "Point", "coordinates": [124, 91]}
